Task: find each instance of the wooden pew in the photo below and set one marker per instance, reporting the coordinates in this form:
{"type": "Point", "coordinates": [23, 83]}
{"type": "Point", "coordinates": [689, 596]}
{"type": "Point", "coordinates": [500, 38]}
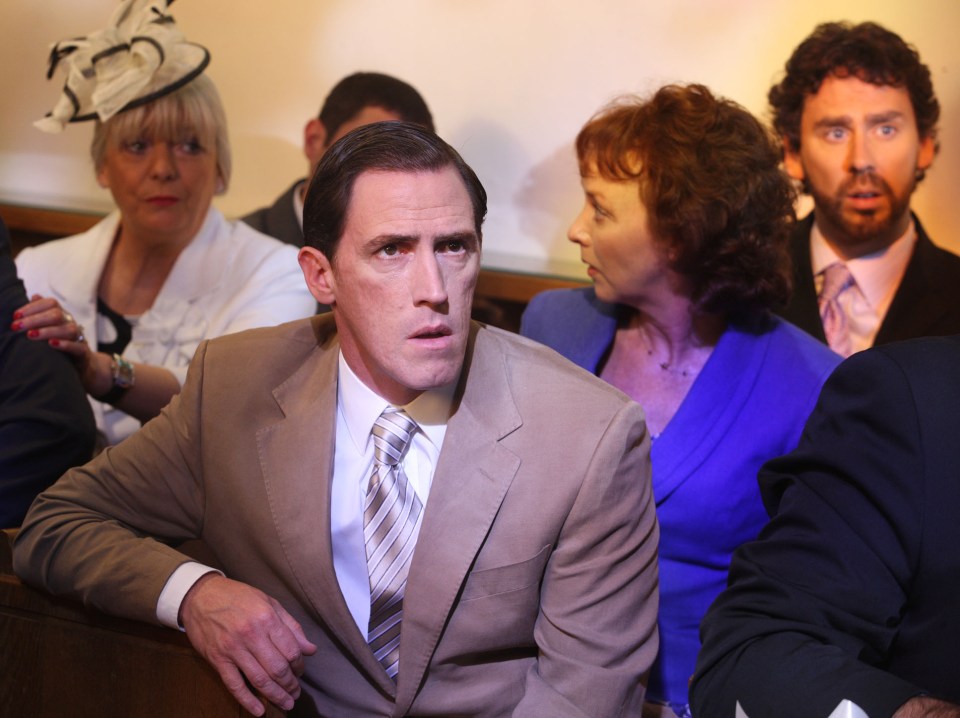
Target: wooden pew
{"type": "Point", "coordinates": [60, 660]}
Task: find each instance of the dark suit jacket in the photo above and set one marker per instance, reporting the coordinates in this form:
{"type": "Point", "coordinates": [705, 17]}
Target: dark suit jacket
{"type": "Point", "coordinates": [853, 589]}
{"type": "Point", "coordinates": [46, 425]}
{"type": "Point", "coordinates": [533, 585]}
{"type": "Point", "coordinates": [927, 302]}
{"type": "Point", "coordinates": [279, 220]}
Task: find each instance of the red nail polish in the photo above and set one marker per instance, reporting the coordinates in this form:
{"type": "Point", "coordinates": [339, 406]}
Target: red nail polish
{"type": "Point", "coordinates": [16, 326]}
{"type": "Point", "coordinates": [18, 314]}
{"type": "Point", "coordinates": [54, 342]}
{"type": "Point", "coordinates": [33, 333]}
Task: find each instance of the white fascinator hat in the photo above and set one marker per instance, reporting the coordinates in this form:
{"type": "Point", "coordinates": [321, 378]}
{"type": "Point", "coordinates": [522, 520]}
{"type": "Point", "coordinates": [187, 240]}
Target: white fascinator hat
{"type": "Point", "coordinates": [138, 58]}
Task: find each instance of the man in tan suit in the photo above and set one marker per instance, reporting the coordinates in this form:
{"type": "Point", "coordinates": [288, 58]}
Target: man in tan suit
{"type": "Point", "coordinates": [524, 484]}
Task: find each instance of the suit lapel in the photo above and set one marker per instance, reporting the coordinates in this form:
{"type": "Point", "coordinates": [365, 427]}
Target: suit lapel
{"type": "Point", "coordinates": [74, 281]}
{"type": "Point", "coordinates": [470, 481]}
{"type": "Point", "coordinates": [802, 309]}
{"type": "Point", "coordinates": [297, 462]}
{"type": "Point", "coordinates": [281, 217]}
{"type": "Point", "coordinates": [917, 305]}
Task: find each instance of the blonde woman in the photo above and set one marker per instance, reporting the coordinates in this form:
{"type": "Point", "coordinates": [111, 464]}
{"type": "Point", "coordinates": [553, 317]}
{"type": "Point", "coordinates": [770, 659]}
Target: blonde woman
{"type": "Point", "coordinates": [131, 299]}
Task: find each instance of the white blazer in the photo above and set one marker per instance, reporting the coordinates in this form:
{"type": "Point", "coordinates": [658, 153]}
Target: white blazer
{"type": "Point", "coordinates": [229, 278]}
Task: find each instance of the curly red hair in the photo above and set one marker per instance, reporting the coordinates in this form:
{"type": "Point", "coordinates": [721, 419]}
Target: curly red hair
{"type": "Point", "coordinates": [710, 178]}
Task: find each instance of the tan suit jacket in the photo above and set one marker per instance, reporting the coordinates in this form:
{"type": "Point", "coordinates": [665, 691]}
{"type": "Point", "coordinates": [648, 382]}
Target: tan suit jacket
{"type": "Point", "coordinates": [533, 588]}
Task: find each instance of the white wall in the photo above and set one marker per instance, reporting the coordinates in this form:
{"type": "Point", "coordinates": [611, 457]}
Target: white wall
{"type": "Point", "coordinates": [509, 83]}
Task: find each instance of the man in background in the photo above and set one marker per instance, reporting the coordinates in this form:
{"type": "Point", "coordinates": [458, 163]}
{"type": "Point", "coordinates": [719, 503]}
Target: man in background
{"type": "Point", "coordinates": [356, 100]}
{"type": "Point", "coordinates": [857, 115]}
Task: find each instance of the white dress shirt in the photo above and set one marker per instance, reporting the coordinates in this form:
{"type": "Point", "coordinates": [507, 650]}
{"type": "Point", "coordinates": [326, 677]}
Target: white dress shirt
{"type": "Point", "coordinates": [876, 278]}
{"type": "Point", "coordinates": [358, 407]}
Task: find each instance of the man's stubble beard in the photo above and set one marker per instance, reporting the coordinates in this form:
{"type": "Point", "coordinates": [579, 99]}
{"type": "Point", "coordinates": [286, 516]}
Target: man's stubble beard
{"type": "Point", "coordinates": [860, 233]}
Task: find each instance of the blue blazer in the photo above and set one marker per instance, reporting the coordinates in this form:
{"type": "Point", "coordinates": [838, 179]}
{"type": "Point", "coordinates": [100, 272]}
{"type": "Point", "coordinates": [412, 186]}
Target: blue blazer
{"type": "Point", "coordinates": [748, 405]}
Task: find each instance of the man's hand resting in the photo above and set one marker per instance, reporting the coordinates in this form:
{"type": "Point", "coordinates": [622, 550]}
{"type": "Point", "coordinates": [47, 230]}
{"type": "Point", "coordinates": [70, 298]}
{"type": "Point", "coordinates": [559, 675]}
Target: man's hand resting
{"type": "Point", "coordinates": [923, 707]}
{"type": "Point", "coordinates": [241, 632]}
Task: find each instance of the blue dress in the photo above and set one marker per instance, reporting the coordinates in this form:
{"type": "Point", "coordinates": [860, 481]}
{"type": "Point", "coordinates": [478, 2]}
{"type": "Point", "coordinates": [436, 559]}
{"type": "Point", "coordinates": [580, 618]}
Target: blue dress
{"type": "Point", "coordinates": [748, 405]}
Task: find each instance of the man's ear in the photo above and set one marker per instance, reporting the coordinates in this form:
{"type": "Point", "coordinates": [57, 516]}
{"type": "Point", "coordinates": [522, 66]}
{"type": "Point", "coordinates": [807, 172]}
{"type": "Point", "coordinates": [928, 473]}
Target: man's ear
{"type": "Point", "coordinates": [318, 274]}
{"type": "Point", "coordinates": [314, 142]}
{"type": "Point", "coordinates": [792, 162]}
{"type": "Point", "coordinates": [928, 150]}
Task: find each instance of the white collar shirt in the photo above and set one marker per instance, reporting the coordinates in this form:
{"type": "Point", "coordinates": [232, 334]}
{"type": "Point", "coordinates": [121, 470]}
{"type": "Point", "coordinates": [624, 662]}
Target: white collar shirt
{"type": "Point", "coordinates": [876, 279]}
{"type": "Point", "coordinates": [358, 407]}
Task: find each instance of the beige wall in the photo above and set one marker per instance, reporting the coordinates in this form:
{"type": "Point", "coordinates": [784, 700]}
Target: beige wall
{"type": "Point", "coordinates": [509, 82]}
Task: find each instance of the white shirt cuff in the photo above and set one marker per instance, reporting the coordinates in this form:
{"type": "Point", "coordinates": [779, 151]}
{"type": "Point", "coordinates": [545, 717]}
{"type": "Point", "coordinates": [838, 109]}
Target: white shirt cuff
{"type": "Point", "coordinates": [172, 595]}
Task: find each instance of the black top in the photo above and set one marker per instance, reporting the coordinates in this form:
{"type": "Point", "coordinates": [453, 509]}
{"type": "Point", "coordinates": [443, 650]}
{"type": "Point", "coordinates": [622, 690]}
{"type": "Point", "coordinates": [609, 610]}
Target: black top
{"type": "Point", "coordinates": [46, 424]}
{"type": "Point", "coordinates": [123, 330]}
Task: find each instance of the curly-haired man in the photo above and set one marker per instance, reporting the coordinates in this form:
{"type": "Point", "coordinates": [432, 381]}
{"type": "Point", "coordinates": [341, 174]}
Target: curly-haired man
{"type": "Point", "coordinates": [857, 114]}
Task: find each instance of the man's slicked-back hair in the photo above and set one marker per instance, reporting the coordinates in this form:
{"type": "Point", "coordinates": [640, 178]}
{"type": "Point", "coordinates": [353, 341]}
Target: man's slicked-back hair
{"type": "Point", "coordinates": [867, 51]}
{"type": "Point", "coordinates": [373, 89]}
{"type": "Point", "coordinates": [383, 147]}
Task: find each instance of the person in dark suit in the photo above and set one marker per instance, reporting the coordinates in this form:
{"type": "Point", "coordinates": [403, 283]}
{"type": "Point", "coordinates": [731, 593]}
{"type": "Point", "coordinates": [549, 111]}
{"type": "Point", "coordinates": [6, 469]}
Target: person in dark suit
{"type": "Point", "coordinates": [851, 592]}
{"type": "Point", "coordinates": [532, 588]}
{"type": "Point", "coordinates": [357, 100]}
{"type": "Point", "coordinates": [46, 423]}
{"type": "Point", "coordinates": [857, 115]}
{"type": "Point", "coordinates": [925, 303]}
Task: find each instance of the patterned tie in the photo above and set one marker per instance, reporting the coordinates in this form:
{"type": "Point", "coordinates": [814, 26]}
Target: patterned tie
{"type": "Point", "coordinates": [391, 523]}
{"type": "Point", "coordinates": [836, 280]}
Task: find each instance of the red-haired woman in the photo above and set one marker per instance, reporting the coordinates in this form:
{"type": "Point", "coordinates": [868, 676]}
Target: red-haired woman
{"type": "Point", "coordinates": [684, 232]}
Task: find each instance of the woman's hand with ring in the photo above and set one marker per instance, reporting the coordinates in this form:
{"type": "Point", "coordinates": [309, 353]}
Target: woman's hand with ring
{"type": "Point", "coordinates": [43, 319]}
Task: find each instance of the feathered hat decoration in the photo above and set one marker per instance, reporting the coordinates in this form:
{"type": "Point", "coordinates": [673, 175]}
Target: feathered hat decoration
{"type": "Point", "coordinates": [138, 58]}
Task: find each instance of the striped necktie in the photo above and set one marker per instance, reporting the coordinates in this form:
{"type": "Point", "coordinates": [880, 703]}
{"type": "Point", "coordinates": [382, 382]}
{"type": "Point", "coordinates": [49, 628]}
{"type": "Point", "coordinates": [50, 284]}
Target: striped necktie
{"type": "Point", "coordinates": [836, 280]}
{"type": "Point", "coordinates": [391, 521]}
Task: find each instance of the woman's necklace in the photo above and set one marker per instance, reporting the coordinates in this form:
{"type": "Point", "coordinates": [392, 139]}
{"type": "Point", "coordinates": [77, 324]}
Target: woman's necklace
{"type": "Point", "coordinates": [667, 367]}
